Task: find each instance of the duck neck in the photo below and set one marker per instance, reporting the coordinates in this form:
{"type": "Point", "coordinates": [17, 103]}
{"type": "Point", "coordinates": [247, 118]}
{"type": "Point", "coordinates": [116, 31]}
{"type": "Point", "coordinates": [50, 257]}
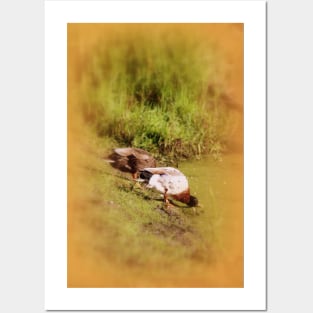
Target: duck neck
{"type": "Point", "coordinates": [183, 196]}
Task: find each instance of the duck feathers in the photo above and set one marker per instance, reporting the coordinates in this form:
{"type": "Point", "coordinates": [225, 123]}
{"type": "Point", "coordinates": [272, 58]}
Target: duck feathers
{"type": "Point", "coordinates": [131, 160]}
{"type": "Point", "coordinates": [170, 182]}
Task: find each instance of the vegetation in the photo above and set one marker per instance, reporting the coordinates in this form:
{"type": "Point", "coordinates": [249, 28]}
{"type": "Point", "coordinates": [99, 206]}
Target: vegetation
{"type": "Point", "coordinates": [160, 92]}
{"type": "Point", "coordinates": [129, 225]}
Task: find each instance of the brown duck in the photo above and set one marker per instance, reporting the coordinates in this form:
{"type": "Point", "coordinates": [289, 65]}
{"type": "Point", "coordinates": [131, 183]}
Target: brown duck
{"type": "Point", "coordinates": [131, 160]}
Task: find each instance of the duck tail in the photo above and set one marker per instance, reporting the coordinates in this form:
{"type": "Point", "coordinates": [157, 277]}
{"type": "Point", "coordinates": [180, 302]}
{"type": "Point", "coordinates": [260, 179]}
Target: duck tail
{"type": "Point", "coordinates": [108, 159]}
{"type": "Point", "coordinates": [145, 175]}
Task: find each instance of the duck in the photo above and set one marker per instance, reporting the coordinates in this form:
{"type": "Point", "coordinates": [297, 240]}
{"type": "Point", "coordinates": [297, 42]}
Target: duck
{"type": "Point", "coordinates": [170, 182]}
{"type": "Point", "coordinates": [131, 160]}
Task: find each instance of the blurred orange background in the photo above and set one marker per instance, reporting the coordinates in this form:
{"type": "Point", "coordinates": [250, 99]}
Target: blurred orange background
{"type": "Point", "coordinates": [83, 269]}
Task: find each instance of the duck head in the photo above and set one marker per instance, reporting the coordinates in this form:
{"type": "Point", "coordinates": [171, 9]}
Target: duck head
{"type": "Point", "coordinates": [193, 201]}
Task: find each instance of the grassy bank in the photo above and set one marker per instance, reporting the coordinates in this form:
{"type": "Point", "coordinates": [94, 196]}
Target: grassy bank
{"type": "Point", "coordinates": [157, 90]}
{"type": "Point", "coordinates": [128, 227]}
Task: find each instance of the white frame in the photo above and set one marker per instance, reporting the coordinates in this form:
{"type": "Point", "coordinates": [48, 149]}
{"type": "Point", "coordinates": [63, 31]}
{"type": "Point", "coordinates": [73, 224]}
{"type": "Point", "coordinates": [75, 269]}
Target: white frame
{"type": "Point", "coordinates": [253, 295]}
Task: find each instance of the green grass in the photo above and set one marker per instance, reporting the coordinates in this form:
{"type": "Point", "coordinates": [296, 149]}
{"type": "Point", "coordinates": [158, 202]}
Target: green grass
{"type": "Point", "coordinates": [128, 225]}
{"type": "Point", "coordinates": [158, 91]}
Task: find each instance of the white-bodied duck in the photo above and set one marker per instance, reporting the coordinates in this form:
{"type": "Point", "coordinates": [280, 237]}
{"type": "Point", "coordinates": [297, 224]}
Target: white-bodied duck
{"type": "Point", "coordinates": [170, 182]}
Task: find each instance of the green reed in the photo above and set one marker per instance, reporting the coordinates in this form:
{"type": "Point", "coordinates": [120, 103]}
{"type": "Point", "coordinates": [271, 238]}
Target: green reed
{"type": "Point", "coordinates": [157, 91]}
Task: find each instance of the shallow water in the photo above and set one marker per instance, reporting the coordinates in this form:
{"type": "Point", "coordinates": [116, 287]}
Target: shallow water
{"type": "Point", "coordinates": [219, 188]}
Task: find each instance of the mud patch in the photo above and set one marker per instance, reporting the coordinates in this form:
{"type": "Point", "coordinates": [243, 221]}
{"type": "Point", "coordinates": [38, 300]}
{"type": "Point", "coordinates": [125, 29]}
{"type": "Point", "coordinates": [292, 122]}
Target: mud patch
{"type": "Point", "coordinates": [174, 229]}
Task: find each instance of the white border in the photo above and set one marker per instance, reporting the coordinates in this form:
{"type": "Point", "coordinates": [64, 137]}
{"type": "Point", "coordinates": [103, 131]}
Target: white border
{"type": "Point", "coordinates": [253, 295]}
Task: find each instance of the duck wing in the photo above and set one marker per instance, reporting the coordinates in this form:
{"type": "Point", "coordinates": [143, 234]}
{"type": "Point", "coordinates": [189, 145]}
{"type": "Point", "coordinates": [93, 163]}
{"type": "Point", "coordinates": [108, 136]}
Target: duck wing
{"type": "Point", "coordinates": [124, 152]}
{"type": "Point", "coordinates": [164, 171]}
{"type": "Point", "coordinates": [137, 153]}
{"type": "Point", "coordinates": [167, 179]}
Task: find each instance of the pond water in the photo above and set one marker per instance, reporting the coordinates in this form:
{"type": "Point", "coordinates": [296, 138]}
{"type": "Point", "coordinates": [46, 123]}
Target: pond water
{"type": "Point", "coordinates": [219, 188]}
